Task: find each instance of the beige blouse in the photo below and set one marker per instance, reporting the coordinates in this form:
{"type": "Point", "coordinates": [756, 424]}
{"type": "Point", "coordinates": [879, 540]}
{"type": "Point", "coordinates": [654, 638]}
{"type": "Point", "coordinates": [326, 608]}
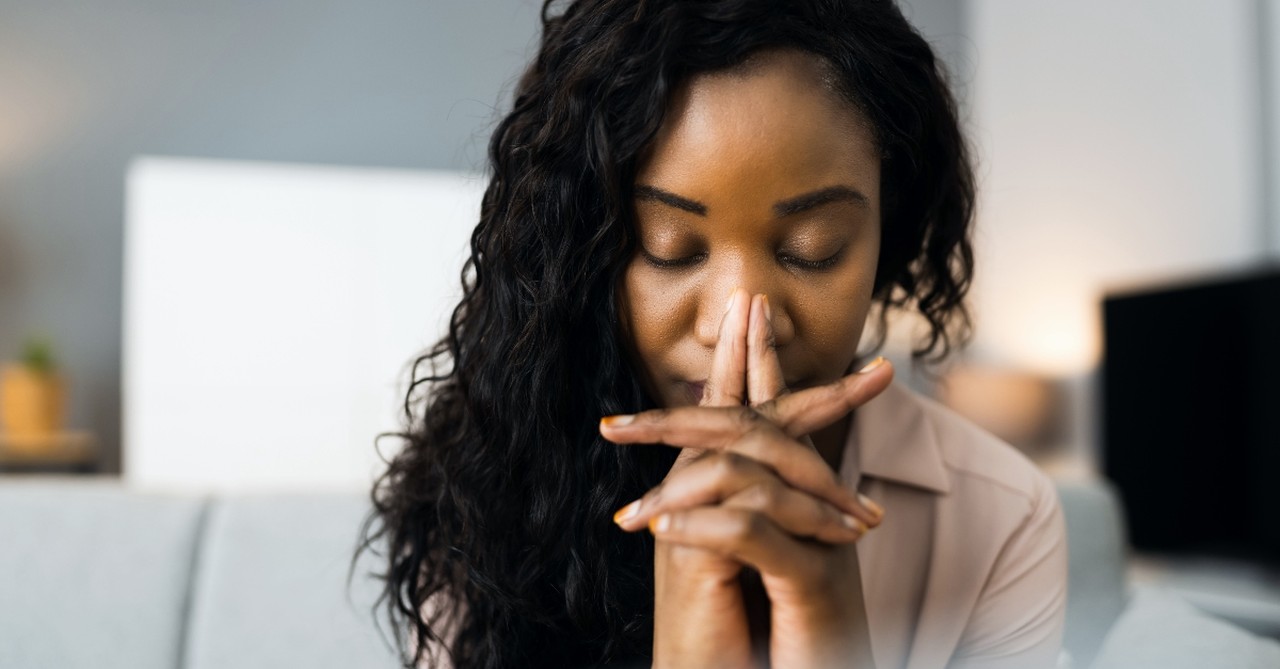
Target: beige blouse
{"type": "Point", "coordinates": [969, 567]}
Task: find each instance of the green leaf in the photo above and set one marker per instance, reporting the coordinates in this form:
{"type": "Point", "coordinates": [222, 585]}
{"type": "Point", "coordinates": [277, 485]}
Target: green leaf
{"type": "Point", "coordinates": [37, 355]}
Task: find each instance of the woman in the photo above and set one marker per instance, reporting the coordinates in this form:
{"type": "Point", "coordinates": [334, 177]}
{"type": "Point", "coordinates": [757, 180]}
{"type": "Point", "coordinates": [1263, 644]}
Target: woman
{"type": "Point", "coordinates": [694, 208]}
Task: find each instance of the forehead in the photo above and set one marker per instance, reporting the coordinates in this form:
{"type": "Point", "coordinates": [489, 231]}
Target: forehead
{"type": "Point", "coordinates": [777, 119]}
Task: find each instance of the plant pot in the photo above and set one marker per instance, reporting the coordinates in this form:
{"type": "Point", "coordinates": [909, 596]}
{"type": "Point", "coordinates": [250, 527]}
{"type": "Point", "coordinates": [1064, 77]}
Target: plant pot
{"type": "Point", "coordinates": [32, 403]}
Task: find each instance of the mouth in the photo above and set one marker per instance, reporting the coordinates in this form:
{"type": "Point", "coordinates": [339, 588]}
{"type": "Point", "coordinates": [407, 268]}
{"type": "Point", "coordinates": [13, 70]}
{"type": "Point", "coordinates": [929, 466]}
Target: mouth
{"type": "Point", "coordinates": [693, 390]}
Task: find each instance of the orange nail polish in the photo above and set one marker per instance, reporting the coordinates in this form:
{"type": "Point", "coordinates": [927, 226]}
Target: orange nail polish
{"type": "Point", "coordinates": [768, 312]}
{"type": "Point", "coordinates": [871, 366]}
{"type": "Point", "coordinates": [659, 523]}
{"type": "Point", "coordinates": [627, 512]}
{"type": "Point", "coordinates": [871, 505]}
{"type": "Point", "coordinates": [617, 421]}
{"type": "Point", "coordinates": [854, 524]}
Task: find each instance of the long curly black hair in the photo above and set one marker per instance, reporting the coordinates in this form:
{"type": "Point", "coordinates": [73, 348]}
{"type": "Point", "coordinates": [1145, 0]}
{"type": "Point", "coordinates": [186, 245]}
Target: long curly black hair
{"type": "Point", "coordinates": [494, 519]}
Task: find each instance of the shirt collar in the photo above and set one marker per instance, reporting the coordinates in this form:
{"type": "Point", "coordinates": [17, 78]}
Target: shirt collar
{"type": "Point", "coordinates": [893, 438]}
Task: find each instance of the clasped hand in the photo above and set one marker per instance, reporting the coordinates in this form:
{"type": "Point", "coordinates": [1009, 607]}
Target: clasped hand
{"type": "Point", "coordinates": [750, 490]}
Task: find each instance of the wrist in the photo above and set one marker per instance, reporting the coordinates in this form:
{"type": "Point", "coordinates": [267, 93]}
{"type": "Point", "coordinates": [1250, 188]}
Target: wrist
{"type": "Point", "coordinates": [823, 632]}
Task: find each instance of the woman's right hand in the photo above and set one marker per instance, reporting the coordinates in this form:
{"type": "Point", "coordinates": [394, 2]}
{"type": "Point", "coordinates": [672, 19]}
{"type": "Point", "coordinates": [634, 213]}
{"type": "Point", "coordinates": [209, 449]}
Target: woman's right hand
{"type": "Point", "coordinates": [700, 616]}
{"type": "Point", "coordinates": [700, 611]}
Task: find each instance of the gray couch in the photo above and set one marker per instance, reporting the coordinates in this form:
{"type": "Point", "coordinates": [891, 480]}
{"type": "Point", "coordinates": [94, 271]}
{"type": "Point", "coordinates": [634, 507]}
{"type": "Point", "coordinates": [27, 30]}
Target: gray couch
{"type": "Point", "coordinates": [95, 575]}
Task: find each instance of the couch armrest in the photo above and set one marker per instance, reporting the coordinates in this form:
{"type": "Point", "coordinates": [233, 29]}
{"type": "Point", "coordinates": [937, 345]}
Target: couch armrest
{"type": "Point", "coordinates": [1096, 569]}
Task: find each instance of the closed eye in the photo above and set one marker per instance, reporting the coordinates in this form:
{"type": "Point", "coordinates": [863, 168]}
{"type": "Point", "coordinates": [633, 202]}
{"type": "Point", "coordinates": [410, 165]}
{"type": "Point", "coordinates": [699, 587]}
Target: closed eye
{"type": "Point", "coordinates": [795, 261]}
{"type": "Point", "coordinates": [813, 265]}
{"type": "Point", "coordinates": [672, 263]}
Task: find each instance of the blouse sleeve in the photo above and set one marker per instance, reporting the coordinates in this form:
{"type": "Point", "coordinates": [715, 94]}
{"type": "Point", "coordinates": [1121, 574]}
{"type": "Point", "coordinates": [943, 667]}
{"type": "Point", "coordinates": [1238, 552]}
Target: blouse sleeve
{"type": "Point", "coordinates": [1020, 614]}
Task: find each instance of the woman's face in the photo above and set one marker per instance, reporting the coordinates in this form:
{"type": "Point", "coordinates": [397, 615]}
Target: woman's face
{"type": "Point", "coordinates": [763, 179]}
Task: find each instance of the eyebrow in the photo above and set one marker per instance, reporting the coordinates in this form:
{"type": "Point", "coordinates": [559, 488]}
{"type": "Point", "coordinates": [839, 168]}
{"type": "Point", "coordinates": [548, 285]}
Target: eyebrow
{"type": "Point", "coordinates": [783, 208]}
{"type": "Point", "coordinates": [670, 199]}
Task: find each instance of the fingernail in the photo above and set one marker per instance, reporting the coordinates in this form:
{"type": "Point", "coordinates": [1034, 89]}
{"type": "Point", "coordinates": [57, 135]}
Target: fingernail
{"type": "Point", "coordinates": [617, 421]}
{"type": "Point", "coordinates": [733, 296]}
{"type": "Point", "coordinates": [853, 523]}
{"type": "Point", "coordinates": [768, 312]}
{"type": "Point", "coordinates": [660, 523]}
{"type": "Point", "coordinates": [871, 505]}
{"type": "Point", "coordinates": [872, 365]}
{"type": "Point", "coordinates": [627, 512]}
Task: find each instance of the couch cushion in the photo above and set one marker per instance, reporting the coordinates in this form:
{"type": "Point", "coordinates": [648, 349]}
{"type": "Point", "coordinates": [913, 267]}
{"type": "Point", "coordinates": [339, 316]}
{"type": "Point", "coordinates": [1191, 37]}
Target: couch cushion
{"type": "Point", "coordinates": [94, 576]}
{"type": "Point", "coordinates": [1096, 563]}
{"type": "Point", "coordinates": [1159, 630]}
{"type": "Point", "coordinates": [271, 589]}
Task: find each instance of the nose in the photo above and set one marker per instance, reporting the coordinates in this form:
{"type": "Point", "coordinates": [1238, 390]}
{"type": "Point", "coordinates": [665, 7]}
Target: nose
{"type": "Point", "coordinates": [713, 308]}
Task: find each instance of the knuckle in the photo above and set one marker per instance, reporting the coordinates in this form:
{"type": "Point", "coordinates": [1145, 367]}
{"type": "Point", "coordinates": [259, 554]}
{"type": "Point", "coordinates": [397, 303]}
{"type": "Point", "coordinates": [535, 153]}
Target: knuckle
{"type": "Point", "coordinates": [769, 408]}
{"type": "Point", "coordinates": [755, 524]}
{"type": "Point", "coordinates": [680, 553]}
{"type": "Point", "coordinates": [649, 499]}
{"type": "Point", "coordinates": [747, 417]}
{"type": "Point", "coordinates": [726, 466]}
{"type": "Point", "coordinates": [759, 441]}
{"type": "Point", "coordinates": [758, 496]}
{"type": "Point", "coordinates": [743, 527]}
{"type": "Point", "coordinates": [656, 416]}
{"type": "Point", "coordinates": [826, 514]}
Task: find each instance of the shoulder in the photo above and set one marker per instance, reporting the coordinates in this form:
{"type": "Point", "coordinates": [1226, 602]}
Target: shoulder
{"type": "Point", "coordinates": [1004, 511]}
{"type": "Point", "coordinates": [1003, 533]}
{"type": "Point", "coordinates": [975, 460]}
{"type": "Point", "coordinates": [985, 492]}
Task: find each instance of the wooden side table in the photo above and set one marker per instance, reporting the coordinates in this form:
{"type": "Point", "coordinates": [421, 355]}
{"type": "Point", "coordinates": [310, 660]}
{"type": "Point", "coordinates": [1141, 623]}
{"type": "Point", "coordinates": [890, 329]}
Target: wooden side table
{"type": "Point", "coordinates": [69, 451]}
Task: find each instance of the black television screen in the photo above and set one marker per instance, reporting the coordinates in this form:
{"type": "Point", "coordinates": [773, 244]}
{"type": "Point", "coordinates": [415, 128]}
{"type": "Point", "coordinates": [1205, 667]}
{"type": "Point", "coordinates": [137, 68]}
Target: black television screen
{"type": "Point", "coordinates": [1191, 415]}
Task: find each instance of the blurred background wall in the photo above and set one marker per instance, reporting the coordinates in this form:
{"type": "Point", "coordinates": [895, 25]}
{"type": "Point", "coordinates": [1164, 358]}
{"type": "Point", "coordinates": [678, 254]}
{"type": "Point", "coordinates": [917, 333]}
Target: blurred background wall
{"type": "Point", "coordinates": [1119, 144]}
{"type": "Point", "coordinates": [1122, 145]}
{"type": "Point", "coordinates": [85, 86]}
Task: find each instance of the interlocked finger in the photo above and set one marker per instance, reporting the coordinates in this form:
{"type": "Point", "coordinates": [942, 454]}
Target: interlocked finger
{"type": "Point", "coordinates": [799, 514]}
{"type": "Point", "coordinates": [743, 535]}
{"type": "Point", "coordinates": [765, 380]}
{"type": "Point", "coordinates": [726, 383]}
{"type": "Point", "coordinates": [743, 431]}
{"type": "Point", "coordinates": [743, 483]}
{"type": "Point", "coordinates": [809, 410]}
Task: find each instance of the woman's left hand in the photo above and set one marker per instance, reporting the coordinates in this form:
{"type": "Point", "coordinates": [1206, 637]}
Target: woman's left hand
{"type": "Point", "coordinates": [764, 496]}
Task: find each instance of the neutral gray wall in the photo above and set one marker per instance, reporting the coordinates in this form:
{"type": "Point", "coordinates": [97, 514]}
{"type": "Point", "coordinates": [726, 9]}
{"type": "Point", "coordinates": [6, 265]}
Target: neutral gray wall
{"type": "Point", "coordinates": [1268, 48]}
{"type": "Point", "coordinates": [84, 86]}
{"type": "Point", "coordinates": [943, 23]}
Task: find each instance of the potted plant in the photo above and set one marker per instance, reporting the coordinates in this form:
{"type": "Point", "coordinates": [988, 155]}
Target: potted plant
{"type": "Point", "coordinates": [32, 393]}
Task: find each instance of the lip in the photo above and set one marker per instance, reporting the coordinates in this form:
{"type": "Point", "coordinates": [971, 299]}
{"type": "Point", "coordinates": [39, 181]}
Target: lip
{"type": "Point", "coordinates": [693, 389]}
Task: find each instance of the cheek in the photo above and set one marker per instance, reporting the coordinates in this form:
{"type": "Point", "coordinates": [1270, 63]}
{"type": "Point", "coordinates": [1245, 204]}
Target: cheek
{"type": "Point", "coordinates": [833, 316]}
{"type": "Point", "coordinates": [834, 327]}
{"type": "Point", "coordinates": [653, 312]}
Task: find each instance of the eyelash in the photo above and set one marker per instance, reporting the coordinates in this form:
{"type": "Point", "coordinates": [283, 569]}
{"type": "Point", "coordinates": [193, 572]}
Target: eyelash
{"type": "Point", "coordinates": [681, 263]}
{"type": "Point", "coordinates": [817, 265]}
{"type": "Point", "coordinates": [664, 263]}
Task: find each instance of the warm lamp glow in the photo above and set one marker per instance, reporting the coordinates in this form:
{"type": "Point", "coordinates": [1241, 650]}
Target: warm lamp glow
{"type": "Point", "coordinates": [1046, 320]}
{"type": "Point", "coordinates": [1018, 407]}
